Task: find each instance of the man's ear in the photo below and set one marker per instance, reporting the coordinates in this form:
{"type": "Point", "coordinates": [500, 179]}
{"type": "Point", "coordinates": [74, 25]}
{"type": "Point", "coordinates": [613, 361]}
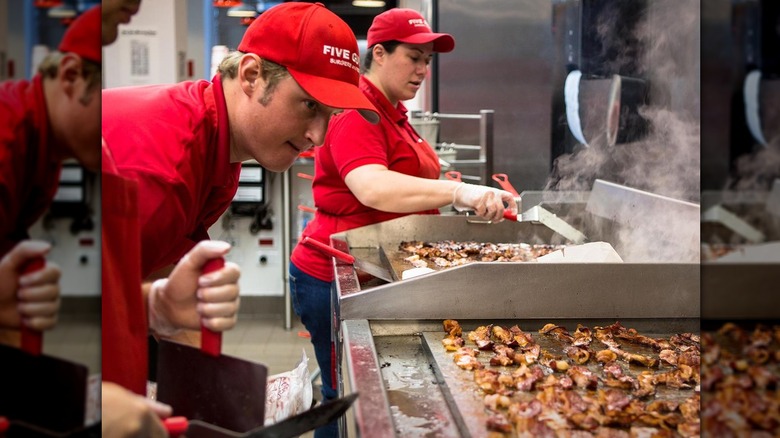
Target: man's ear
{"type": "Point", "coordinates": [68, 72]}
{"type": "Point", "coordinates": [249, 73]}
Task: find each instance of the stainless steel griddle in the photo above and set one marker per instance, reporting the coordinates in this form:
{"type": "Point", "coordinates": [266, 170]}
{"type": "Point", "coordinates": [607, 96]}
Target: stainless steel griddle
{"type": "Point", "coordinates": [386, 331]}
{"type": "Point", "coordinates": [416, 388]}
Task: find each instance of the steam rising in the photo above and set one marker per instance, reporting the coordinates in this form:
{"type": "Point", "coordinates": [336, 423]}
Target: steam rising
{"type": "Point", "coordinates": [667, 161]}
{"type": "Point", "coordinates": [758, 170]}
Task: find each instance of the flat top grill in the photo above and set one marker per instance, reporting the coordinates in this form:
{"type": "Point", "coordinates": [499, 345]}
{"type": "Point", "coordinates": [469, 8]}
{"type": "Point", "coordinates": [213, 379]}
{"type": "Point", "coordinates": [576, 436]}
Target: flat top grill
{"type": "Point", "coordinates": [429, 395]}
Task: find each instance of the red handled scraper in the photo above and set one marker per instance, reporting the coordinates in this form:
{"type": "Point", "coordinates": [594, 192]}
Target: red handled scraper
{"type": "Point", "coordinates": [204, 384]}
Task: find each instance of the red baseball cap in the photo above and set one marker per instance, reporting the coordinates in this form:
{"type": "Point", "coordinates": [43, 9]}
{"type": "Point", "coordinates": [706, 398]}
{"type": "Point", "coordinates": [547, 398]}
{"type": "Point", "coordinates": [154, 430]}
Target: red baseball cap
{"type": "Point", "coordinates": [318, 49]}
{"type": "Point", "coordinates": [407, 26]}
{"type": "Point", "coordinates": [83, 36]}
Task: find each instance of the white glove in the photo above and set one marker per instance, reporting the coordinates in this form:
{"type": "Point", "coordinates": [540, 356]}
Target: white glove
{"type": "Point", "coordinates": [189, 298]}
{"type": "Point", "coordinates": [487, 202]}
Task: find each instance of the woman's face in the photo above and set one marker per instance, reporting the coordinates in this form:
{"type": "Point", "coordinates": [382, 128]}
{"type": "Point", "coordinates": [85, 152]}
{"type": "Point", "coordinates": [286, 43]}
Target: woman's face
{"type": "Point", "coordinates": [404, 70]}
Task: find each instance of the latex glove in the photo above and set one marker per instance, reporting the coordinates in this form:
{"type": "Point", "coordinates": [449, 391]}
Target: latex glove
{"type": "Point", "coordinates": [487, 202]}
{"type": "Point", "coordinates": [188, 298]}
{"type": "Point", "coordinates": [32, 299]}
{"type": "Point", "coordinates": [127, 414]}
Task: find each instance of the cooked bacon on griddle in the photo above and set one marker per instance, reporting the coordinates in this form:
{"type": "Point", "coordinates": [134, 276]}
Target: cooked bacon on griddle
{"type": "Point", "coordinates": [615, 378]}
{"type": "Point", "coordinates": [579, 355]}
{"type": "Point", "coordinates": [582, 336]}
{"type": "Point", "coordinates": [497, 401]}
{"type": "Point", "coordinates": [668, 356]}
{"type": "Point", "coordinates": [453, 340]}
{"type": "Point", "coordinates": [583, 377]}
{"type": "Point", "coordinates": [557, 332]}
{"type": "Point", "coordinates": [606, 356]}
{"type": "Point", "coordinates": [466, 358]}
{"type": "Point", "coordinates": [525, 377]}
{"type": "Point", "coordinates": [604, 335]}
{"type": "Point", "coordinates": [502, 335]}
{"type": "Point", "coordinates": [614, 403]}
{"type": "Point", "coordinates": [558, 366]}
{"type": "Point", "coordinates": [763, 378]}
{"type": "Point", "coordinates": [631, 335]}
{"type": "Point", "coordinates": [448, 253]}
{"type": "Point", "coordinates": [452, 328]}
{"type": "Point", "coordinates": [499, 423]}
{"type": "Point", "coordinates": [757, 355]}
{"type": "Point", "coordinates": [528, 355]}
{"type": "Point", "coordinates": [682, 340]}
{"type": "Point", "coordinates": [452, 344]}
{"type": "Point", "coordinates": [520, 337]}
{"type": "Point", "coordinates": [487, 380]}
{"type": "Point", "coordinates": [646, 382]}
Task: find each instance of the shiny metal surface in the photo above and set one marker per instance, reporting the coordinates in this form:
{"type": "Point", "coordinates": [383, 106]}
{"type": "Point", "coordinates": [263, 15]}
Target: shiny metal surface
{"type": "Point", "coordinates": [371, 409]}
{"type": "Point", "coordinates": [528, 290]}
{"type": "Point", "coordinates": [740, 289]}
{"type": "Point", "coordinates": [553, 222]}
{"type": "Point", "coordinates": [509, 290]}
{"type": "Point", "coordinates": [417, 390]}
{"type": "Point", "coordinates": [483, 72]}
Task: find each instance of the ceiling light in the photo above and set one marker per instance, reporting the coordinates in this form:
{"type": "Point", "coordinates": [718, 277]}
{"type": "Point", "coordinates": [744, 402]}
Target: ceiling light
{"type": "Point", "coordinates": [62, 11]}
{"type": "Point", "coordinates": [368, 3]}
{"type": "Point", "coordinates": [243, 11]}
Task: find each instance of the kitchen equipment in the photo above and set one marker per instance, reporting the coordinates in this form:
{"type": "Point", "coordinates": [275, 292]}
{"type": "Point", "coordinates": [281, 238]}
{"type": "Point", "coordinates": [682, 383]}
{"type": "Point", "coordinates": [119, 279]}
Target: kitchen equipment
{"type": "Point", "coordinates": [550, 220]}
{"type": "Point", "coordinates": [362, 265]}
{"type": "Point", "coordinates": [503, 181]}
{"type": "Point", "coordinates": [289, 427]}
{"type": "Point", "coordinates": [41, 392]}
{"type": "Point", "coordinates": [453, 175]}
{"type": "Point", "coordinates": [204, 384]}
{"type": "Point", "coordinates": [743, 284]}
{"type": "Point", "coordinates": [389, 335]}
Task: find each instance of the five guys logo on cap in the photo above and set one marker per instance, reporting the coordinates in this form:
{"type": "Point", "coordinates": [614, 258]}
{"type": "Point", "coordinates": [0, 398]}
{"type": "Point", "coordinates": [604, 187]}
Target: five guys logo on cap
{"type": "Point", "coordinates": [344, 57]}
{"type": "Point", "coordinates": [419, 22]}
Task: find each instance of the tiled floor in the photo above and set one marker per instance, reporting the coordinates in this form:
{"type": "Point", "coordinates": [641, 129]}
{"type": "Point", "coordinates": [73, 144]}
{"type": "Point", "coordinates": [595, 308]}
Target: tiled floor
{"type": "Point", "coordinates": [262, 340]}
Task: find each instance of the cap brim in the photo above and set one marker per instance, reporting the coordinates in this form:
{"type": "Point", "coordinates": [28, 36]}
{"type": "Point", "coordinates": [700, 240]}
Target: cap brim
{"type": "Point", "coordinates": [442, 42]}
{"type": "Point", "coordinates": [336, 94]}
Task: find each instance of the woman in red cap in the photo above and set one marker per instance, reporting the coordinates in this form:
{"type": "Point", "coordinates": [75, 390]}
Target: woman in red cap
{"type": "Point", "coordinates": [367, 173]}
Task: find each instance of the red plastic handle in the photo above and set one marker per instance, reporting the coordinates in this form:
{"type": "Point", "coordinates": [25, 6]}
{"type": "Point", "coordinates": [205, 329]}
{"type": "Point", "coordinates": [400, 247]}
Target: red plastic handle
{"type": "Point", "coordinates": [305, 176]}
{"type": "Point", "coordinates": [503, 181]}
{"type": "Point", "coordinates": [453, 175]}
{"type": "Point", "coordinates": [508, 215]}
{"type": "Point", "coordinates": [32, 340]}
{"type": "Point", "coordinates": [329, 250]}
{"type": "Point", "coordinates": [211, 341]}
{"type": "Point", "coordinates": [306, 208]}
{"type": "Point", "coordinates": [176, 426]}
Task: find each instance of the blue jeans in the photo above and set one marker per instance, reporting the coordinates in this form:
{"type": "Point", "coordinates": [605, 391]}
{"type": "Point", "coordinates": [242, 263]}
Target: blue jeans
{"type": "Point", "coordinates": [311, 301]}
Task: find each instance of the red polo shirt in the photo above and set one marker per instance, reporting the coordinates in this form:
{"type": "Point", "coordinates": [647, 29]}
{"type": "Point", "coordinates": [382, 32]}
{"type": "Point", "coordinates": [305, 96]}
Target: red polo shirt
{"type": "Point", "coordinates": [29, 164]}
{"type": "Point", "coordinates": [175, 141]}
{"type": "Point", "coordinates": [124, 332]}
{"type": "Point", "coordinates": [352, 142]}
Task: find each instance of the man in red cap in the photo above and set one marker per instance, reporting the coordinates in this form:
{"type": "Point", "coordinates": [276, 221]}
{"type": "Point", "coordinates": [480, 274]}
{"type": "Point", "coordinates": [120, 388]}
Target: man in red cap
{"type": "Point", "coordinates": [43, 122]}
{"type": "Point", "coordinates": [184, 300]}
{"type": "Point", "coordinates": [295, 66]}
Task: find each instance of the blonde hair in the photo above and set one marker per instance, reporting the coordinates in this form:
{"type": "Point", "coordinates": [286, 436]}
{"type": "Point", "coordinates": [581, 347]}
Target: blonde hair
{"type": "Point", "coordinates": [91, 72]}
{"type": "Point", "coordinates": [271, 72]}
